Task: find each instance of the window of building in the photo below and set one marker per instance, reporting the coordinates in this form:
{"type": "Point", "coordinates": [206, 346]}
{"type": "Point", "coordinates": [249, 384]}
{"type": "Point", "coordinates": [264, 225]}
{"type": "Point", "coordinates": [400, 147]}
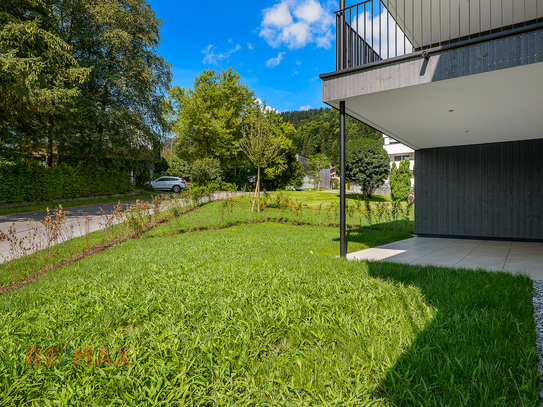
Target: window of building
{"type": "Point", "coordinates": [398, 158]}
{"type": "Point", "coordinates": [391, 141]}
{"type": "Point", "coordinates": [405, 157]}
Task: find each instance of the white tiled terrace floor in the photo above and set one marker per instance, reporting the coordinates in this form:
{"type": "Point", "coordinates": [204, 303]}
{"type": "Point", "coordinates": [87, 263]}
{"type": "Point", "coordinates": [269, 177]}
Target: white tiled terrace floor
{"type": "Point", "coordinates": [515, 257]}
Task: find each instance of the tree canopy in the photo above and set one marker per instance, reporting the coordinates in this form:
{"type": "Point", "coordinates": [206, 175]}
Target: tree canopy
{"type": "Point", "coordinates": [207, 119]}
{"type": "Point", "coordinates": [85, 78]}
{"type": "Point", "coordinates": [367, 164]}
{"type": "Point", "coordinates": [39, 77]}
{"type": "Point", "coordinates": [318, 132]}
{"type": "Point", "coordinates": [260, 141]}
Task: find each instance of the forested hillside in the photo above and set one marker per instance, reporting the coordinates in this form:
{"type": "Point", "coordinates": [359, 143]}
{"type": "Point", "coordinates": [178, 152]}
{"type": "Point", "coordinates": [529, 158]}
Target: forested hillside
{"type": "Point", "coordinates": [317, 131]}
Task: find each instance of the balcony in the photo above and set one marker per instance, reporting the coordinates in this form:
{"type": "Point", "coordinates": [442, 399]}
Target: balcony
{"type": "Point", "coordinates": [435, 73]}
{"type": "Point", "coordinates": [377, 31]}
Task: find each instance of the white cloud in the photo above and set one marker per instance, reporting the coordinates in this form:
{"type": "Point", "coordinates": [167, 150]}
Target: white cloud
{"type": "Point", "coordinates": [390, 43]}
{"type": "Point", "coordinates": [273, 62]}
{"type": "Point", "coordinates": [299, 31]}
{"type": "Point", "coordinates": [250, 46]}
{"type": "Point", "coordinates": [268, 108]}
{"type": "Point", "coordinates": [310, 12]}
{"type": "Point", "coordinates": [213, 58]}
{"type": "Point", "coordinates": [306, 107]}
{"type": "Point", "coordinates": [298, 63]}
{"type": "Point", "coordinates": [295, 72]}
{"type": "Point", "coordinates": [278, 15]}
{"type": "Point", "coordinates": [296, 23]}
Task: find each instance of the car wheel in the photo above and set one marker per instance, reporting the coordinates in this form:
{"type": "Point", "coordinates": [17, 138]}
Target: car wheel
{"type": "Point", "coordinates": [176, 189]}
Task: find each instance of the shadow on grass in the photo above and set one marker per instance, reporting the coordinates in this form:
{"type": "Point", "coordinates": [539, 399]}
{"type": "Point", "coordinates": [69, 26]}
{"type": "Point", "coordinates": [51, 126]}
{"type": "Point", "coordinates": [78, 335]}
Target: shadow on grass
{"type": "Point", "coordinates": [374, 198]}
{"type": "Point", "coordinates": [480, 348]}
{"type": "Point", "coordinates": [373, 237]}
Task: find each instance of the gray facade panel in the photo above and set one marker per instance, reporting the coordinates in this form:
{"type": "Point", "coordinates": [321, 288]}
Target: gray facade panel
{"type": "Point", "coordinates": [485, 190]}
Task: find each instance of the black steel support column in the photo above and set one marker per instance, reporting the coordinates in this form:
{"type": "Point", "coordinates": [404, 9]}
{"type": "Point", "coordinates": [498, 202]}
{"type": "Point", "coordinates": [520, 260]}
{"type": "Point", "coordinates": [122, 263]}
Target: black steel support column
{"type": "Point", "coordinates": [342, 183]}
{"type": "Point", "coordinates": [342, 65]}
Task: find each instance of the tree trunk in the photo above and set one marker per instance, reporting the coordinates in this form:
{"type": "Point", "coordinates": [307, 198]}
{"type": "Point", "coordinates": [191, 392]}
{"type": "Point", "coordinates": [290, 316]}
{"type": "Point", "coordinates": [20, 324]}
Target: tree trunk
{"type": "Point", "coordinates": [257, 191]}
{"type": "Point", "coordinates": [49, 156]}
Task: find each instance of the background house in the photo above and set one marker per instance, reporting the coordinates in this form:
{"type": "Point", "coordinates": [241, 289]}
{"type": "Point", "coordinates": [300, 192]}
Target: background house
{"type": "Point", "coordinates": [325, 175]}
{"type": "Point", "coordinates": [397, 152]}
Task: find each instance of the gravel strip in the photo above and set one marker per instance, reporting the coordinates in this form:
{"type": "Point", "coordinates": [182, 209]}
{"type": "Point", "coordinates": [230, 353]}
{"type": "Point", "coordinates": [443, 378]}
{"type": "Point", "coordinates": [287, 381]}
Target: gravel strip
{"type": "Point", "coordinates": [537, 301]}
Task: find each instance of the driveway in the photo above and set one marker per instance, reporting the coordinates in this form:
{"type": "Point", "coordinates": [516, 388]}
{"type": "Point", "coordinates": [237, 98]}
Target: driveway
{"type": "Point", "coordinates": [492, 255]}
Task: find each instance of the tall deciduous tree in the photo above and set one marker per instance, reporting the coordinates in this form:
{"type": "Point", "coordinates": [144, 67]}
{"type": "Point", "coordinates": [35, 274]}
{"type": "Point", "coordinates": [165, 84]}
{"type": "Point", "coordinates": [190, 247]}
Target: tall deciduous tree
{"type": "Point", "coordinates": [208, 118]}
{"type": "Point", "coordinates": [39, 78]}
{"type": "Point", "coordinates": [260, 142]}
{"type": "Point", "coordinates": [367, 164]}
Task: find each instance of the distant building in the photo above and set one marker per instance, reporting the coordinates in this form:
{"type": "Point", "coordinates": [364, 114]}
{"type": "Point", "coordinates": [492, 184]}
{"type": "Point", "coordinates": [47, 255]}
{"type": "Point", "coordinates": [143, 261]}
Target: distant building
{"type": "Point", "coordinates": [325, 175]}
{"type": "Point", "coordinates": [397, 152]}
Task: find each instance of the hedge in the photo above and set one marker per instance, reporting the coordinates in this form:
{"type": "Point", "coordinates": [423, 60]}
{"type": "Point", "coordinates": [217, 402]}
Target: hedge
{"type": "Point", "coordinates": [37, 183]}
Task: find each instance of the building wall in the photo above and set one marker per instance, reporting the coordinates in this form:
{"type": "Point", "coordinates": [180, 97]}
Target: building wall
{"type": "Point", "coordinates": [397, 152]}
{"type": "Point", "coordinates": [483, 190]}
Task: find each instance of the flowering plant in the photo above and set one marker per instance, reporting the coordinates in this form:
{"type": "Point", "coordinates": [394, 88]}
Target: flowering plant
{"type": "Point", "coordinates": [411, 197]}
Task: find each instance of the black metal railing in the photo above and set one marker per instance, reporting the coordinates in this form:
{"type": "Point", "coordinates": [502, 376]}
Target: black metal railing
{"type": "Point", "coordinates": [376, 30]}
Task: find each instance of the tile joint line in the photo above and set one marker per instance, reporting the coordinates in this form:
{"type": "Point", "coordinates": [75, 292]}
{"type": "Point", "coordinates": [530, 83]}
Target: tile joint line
{"type": "Point", "coordinates": [475, 248]}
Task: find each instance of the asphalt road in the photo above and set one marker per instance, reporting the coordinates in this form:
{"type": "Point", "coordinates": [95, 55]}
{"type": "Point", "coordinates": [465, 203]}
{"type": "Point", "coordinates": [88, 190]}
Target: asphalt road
{"type": "Point", "coordinates": [74, 226]}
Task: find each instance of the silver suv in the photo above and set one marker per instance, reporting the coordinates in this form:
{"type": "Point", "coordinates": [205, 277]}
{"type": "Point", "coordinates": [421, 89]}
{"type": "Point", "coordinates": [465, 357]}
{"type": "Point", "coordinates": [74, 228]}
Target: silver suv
{"type": "Point", "coordinates": [168, 184]}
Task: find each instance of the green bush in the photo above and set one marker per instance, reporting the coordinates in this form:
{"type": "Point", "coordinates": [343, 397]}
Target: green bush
{"type": "Point", "coordinates": [400, 181]}
{"type": "Point", "coordinates": [37, 183]}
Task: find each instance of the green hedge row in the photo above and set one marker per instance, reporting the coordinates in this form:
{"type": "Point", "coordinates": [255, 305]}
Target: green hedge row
{"type": "Point", "coordinates": [37, 183]}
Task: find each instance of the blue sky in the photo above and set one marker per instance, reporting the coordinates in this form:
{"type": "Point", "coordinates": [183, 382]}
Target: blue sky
{"type": "Point", "coordinates": [279, 47]}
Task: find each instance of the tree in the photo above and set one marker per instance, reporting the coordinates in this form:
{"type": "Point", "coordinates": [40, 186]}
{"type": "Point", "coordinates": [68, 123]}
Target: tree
{"type": "Point", "coordinates": [367, 164]}
{"type": "Point", "coordinates": [120, 110]}
{"type": "Point", "coordinates": [260, 142]}
{"type": "Point", "coordinates": [317, 131]}
{"type": "Point", "coordinates": [315, 165]}
{"type": "Point", "coordinates": [178, 168]}
{"type": "Point", "coordinates": [400, 181]}
{"type": "Point", "coordinates": [205, 170]}
{"type": "Point", "coordinates": [39, 78]}
{"type": "Point", "coordinates": [208, 118]}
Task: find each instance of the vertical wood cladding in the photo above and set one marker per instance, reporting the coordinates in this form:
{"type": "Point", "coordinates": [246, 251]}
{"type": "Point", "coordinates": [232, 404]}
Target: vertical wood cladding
{"type": "Point", "coordinates": [483, 190]}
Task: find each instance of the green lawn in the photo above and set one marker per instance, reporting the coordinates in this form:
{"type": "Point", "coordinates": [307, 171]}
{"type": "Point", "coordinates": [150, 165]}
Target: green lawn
{"type": "Point", "coordinates": [314, 198]}
{"type": "Point", "coordinates": [262, 315]}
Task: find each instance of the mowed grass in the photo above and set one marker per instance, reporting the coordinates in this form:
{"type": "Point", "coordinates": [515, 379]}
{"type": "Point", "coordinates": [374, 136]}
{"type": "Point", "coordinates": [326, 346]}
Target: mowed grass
{"type": "Point", "coordinates": [237, 211]}
{"type": "Point", "coordinates": [315, 198]}
{"type": "Point", "coordinates": [258, 315]}
{"type": "Point", "coordinates": [218, 214]}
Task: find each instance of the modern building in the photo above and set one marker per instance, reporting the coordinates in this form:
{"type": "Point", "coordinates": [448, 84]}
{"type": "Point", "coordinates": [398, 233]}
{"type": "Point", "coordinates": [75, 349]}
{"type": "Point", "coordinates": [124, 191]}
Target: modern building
{"type": "Point", "coordinates": [397, 152]}
{"type": "Point", "coordinates": [461, 83]}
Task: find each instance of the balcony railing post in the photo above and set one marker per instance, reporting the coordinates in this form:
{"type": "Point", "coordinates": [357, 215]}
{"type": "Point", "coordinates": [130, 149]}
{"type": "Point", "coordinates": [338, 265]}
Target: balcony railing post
{"type": "Point", "coordinates": [342, 44]}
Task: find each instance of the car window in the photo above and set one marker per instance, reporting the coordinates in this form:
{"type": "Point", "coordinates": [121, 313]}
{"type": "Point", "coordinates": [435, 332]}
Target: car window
{"type": "Point", "coordinates": [160, 179]}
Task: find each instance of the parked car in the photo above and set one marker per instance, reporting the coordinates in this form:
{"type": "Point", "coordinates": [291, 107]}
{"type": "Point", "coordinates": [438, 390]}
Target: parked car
{"type": "Point", "coordinates": [168, 184]}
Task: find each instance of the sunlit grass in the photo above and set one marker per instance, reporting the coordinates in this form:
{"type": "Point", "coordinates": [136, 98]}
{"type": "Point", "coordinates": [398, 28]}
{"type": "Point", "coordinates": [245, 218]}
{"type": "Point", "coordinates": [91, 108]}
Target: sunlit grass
{"type": "Point", "coordinates": [314, 198]}
{"type": "Point", "coordinates": [260, 315]}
